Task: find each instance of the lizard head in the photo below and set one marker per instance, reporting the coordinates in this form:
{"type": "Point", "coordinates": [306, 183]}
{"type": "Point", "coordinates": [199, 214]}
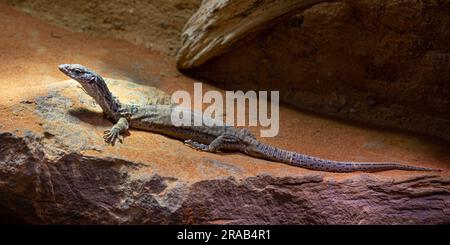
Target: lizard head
{"type": "Point", "coordinates": [90, 80]}
{"type": "Point", "coordinates": [93, 84]}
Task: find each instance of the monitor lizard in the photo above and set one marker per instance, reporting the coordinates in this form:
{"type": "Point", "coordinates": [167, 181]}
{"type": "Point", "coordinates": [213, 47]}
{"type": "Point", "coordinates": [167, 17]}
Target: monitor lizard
{"type": "Point", "coordinates": [157, 118]}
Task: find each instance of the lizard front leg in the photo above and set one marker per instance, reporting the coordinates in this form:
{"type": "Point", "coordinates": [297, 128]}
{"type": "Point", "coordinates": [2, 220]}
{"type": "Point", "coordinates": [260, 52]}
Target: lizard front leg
{"type": "Point", "coordinates": [116, 131]}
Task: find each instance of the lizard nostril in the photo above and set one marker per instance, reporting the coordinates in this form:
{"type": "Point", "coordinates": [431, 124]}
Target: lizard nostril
{"type": "Point", "coordinates": [62, 68]}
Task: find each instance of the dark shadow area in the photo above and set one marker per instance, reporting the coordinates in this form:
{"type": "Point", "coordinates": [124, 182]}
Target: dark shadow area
{"type": "Point", "coordinates": [90, 117]}
{"type": "Point", "coordinates": [315, 65]}
{"type": "Point", "coordinates": [8, 217]}
{"type": "Point", "coordinates": [440, 145]}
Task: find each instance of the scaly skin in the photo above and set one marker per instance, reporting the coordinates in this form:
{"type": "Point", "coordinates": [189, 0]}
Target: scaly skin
{"type": "Point", "coordinates": [157, 118]}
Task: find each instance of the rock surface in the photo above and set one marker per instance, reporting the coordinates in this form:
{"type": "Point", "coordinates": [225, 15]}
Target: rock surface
{"type": "Point", "coordinates": [383, 63]}
{"type": "Point", "coordinates": [55, 169]}
{"type": "Point", "coordinates": [155, 24]}
{"type": "Point", "coordinates": [219, 24]}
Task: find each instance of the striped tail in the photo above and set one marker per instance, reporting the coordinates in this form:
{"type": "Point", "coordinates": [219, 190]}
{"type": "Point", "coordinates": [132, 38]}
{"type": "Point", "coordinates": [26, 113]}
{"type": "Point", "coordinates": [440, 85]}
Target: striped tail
{"type": "Point", "coordinates": [314, 163]}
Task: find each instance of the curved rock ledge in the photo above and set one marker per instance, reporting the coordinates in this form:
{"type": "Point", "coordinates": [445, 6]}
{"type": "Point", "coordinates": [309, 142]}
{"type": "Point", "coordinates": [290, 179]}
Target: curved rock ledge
{"type": "Point", "coordinates": [219, 24]}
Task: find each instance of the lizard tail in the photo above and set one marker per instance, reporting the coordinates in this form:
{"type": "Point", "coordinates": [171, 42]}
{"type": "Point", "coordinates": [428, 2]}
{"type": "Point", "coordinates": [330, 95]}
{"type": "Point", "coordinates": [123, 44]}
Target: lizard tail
{"type": "Point", "coordinates": [346, 167]}
{"type": "Point", "coordinates": [314, 163]}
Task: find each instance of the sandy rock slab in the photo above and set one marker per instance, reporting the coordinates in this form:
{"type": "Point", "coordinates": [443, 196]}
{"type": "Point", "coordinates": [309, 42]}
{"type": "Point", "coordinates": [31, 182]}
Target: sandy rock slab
{"type": "Point", "coordinates": [60, 172]}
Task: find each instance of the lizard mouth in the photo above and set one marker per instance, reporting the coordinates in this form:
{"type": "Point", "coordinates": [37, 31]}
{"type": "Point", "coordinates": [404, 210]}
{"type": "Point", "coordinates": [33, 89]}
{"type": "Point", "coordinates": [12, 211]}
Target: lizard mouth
{"type": "Point", "coordinates": [63, 68]}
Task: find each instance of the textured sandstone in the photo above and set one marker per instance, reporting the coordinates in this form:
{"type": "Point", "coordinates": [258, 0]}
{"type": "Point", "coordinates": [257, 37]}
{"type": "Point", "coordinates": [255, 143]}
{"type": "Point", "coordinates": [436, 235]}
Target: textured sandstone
{"type": "Point", "coordinates": [384, 63]}
{"type": "Point", "coordinates": [156, 24]}
{"type": "Point", "coordinates": [79, 189]}
{"type": "Point", "coordinates": [55, 168]}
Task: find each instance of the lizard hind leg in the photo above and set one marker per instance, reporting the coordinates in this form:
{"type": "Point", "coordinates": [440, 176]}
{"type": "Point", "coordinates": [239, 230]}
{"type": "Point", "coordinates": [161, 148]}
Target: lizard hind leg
{"type": "Point", "coordinates": [245, 132]}
{"type": "Point", "coordinates": [224, 141]}
{"type": "Point", "coordinates": [196, 145]}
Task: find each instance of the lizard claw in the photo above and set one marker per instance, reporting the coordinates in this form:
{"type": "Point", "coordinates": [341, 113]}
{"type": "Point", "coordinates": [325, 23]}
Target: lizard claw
{"type": "Point", "coordinates": [196, 145]}
{"type": "Point", "coordinates": [110, 136]}
{"type": "Point", "coordinates": [189, 143]}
